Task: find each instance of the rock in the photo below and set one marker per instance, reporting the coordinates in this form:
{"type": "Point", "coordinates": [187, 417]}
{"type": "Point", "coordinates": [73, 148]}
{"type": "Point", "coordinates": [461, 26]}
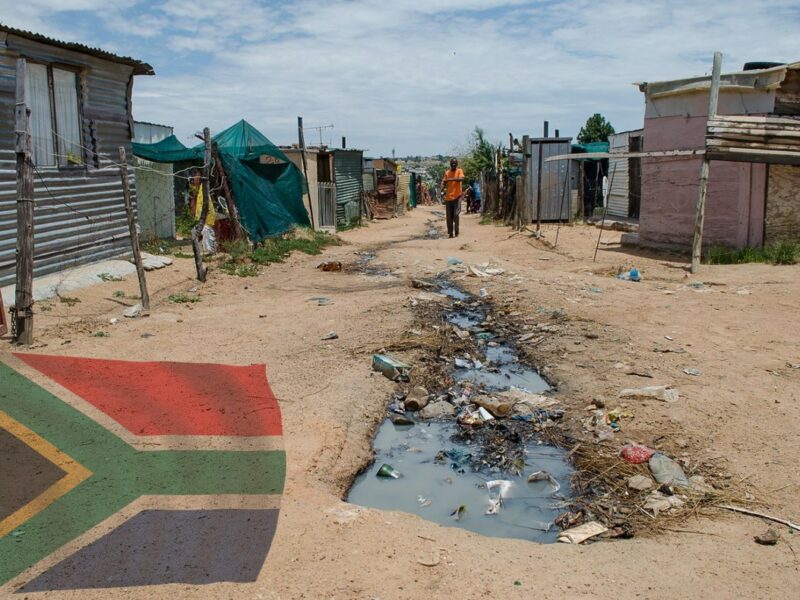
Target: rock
{"type": "Point", "coordinates": [599, 402]}
{"type": "Point", "coordinates": [132, 311]}
{"type": "Point", "coordinates": [438, 410]}
{"type": "Point", "coordinates": [640, 483]}
{"type": "Point", "coordinates": [769, 538]}
{"type": "Point", "coordinates": [151, 262]}
{"type": "Point", "coordinates": [654, 392]}
{"type": "Point", "coordinates": [667, 471]}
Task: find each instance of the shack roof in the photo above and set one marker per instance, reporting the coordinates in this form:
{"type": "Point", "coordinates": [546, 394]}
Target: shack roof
{"type": "Point", "coordinates": [139, 67]}
{"type": "Point", "coordinates": [761, 79]}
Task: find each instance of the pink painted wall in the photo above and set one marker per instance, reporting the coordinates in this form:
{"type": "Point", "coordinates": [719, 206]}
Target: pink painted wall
{"type": "Point", "coordinates": [736, 191]}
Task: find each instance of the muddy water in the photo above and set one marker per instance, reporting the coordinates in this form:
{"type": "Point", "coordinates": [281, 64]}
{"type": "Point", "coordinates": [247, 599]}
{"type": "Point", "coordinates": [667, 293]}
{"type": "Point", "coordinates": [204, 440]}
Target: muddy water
{"type": "Point", "coordinates": [437, 475]}
{"type": "Point", "coordinates": [433, 490]}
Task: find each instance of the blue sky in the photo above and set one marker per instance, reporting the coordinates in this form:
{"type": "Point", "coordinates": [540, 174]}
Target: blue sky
{"type": "Point", "coordinates": [414, 76]}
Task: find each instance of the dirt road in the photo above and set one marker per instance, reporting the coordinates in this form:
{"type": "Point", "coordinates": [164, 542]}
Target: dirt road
{"type": "Point", "coordinates": [739, 328]}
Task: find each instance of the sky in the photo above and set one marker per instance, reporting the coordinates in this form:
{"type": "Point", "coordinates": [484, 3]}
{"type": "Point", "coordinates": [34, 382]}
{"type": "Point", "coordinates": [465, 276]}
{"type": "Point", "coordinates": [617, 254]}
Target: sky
{"type": "Point", "coordinates": [416, 77]}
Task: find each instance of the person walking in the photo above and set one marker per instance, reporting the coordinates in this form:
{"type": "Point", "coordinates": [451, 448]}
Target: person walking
{"type": "Point", "coordinates": [452, 187]}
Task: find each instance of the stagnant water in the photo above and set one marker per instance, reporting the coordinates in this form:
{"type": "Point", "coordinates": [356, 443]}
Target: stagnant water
{"type": "Point", "coordinates": [436, 477]}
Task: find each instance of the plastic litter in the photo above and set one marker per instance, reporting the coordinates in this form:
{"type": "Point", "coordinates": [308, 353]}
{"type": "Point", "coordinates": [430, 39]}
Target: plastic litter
{"type": "Point", "coordinates": [632, 275]}
{"type": "Point", "coordinates": [423, 501]}
{"type": "Point", "coordinates": [417, 399]}
{"type": "Point", "coordinates": [498, 489]}
{"type": "Point", "coordinates": [388, 471]}
{"type": "Point", "coordinates": [545, 476]}
{"type": "Point", "coordinates": [636, 453]}
{"type": "Point", "coordinates": [652, 392]}
{"type": "Point", "coordinates": [391, 368]}
{"type": "Point", "coordinates": [497, 407]}
{"type": "Point", "coordinates": [458, 513]}
{"type": "Point", "coordinates": [332, 335]}
{"type": "Point", "coordinates": [658, 502]}
{"type": "Point", "coordinates": [452, 260]}
{"type": "Point", "coordinates": [580, 534]}
{"type": "Point", "coordinates": [132, 311]}
{"type": "Point", "coordinates": [667, 471]}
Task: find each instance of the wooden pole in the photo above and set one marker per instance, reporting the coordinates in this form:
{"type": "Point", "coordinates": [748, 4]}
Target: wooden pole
{"type": "Point", "coordinates": [561, 208]}
{"type": "Point", "coordinates": [23, 304]}
{"type": "Point", "coordinates": [137, 255]}
{"type": "Point", "coordinates": [700, 213]}
{"type": "Point", "coordinates": [226, 190]}
{"type": "Point", "coordinates": [301, 140]}
{"type": "Point", "coordinates": [527, 199]}
{"type": "Point", "coordinates": [197, 230]}
{"type": "Point", "coordinates": [605, 212]}
{"type": "Point", "coordinates": [539, 189]}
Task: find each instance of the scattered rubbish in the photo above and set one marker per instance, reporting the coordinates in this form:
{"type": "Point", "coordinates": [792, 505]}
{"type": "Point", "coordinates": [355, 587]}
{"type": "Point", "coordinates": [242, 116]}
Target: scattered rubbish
{"type": "Point", "coordinates": [330, 265]}
{"type": "Point", "coordinates": [632, 275]}
{"type": "Point", "coordinates": [484, 293]}
{"type": "Point", "coordinates": [580, 534]}
{"type": "Point", "coordinates": [400, 420]}
{"type": "Point", "coordinates": [640, 483]}
{"type": "Point", "coordinates": [792, 365]}
{"type": "Point", "coordinates": [653, 392]}
{"type": "Point", "coordinates": [668, 350]}
{"type": "Point", "coordinates": [423, 501]}
{"type": "Point", "coordinates": [667, 471]}
{"type": "Point", "coordinates": [698, 484]}
{"type": "Point", "coordinates": [485, 414]}
{"type": "Point", "coordinates": [769, 538]}
{"type": "Point", "coordinates": [438, 410]}
{"type": "Point", "coordinates": [391, 368]}
{"type": "Point", "coordinates": [452, 260]}
{"type": "Point", "coordinates": [636, 453]}
{"type": "Point", "coordinates": [330, 336]}
{"type": "Point", "coordinates": [743, 292]}
{"type": "Point", "coordinates": [658, 502]}
{"type": "Point", "coordinates": [417, 399]}
{"type": "Point", "coordinates": [475, 272]}
{"type": "Point", "coordinates": [545, 476]}
{"type": "Point", "coordinates": [497, 407]}
{"type": "Point", "coordinates": [692, 371]}
{"type": "Point", "coordinates": [421, 285]}
{"type": "Point", "coordinates": [669, 337]}
{"type": "Point", "coordinates": [113, 321]}
{"type": "Point", "coordinates": [697, 285]}
{"type": "Point", "coordinates": [132, 311]}
{"type": "Point", "coordinates": [463, 363]}
{"type": "Point", "coordinates": [497, 491]}
{"type": "Point", "coordinates": [320, 300]}
{"type": "Point", "coordinates": [388, 471]}
{"type": "Point", "coordinates": [459, 512]}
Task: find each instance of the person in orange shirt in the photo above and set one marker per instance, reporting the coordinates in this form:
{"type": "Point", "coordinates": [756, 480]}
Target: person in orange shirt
{"type": "Point", "coordinates": [452, 186]}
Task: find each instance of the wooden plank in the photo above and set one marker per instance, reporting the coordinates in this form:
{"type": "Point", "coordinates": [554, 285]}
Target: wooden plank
{"type": "Point", "coordinates": [782, 215]}
{"type": "Point", "coordinates": [652, 154]}
{"type": "Point", "coordinates": [23, 301]}
{"type": "Point", "coordinates": [137, 255]}
{"type": "Point", "coordinates": [749, 155]}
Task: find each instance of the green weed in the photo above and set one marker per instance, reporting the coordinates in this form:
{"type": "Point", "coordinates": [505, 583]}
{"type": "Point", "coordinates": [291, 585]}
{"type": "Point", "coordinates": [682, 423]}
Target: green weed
{"type": "Point", "coordinates": [782, 253]}
{"type": "Point", "coordinates": [183, 299]}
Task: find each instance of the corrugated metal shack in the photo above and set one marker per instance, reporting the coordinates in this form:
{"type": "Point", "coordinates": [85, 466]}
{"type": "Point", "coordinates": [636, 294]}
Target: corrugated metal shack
{"type": "Point", "coordinates": [748, 203]}
{"type": "Point", "coordinates": [348, 168]}
{"type": "Point", "coordinates": [321, 190]}
{"type": "Point", "coordinates": [556, 180]}
{"type": "Point", "coordinates": [77, 128]}
{"type": "Point", "coordinates": [155, 187]}
{"type": "Point", "coordinates": [625, 174]}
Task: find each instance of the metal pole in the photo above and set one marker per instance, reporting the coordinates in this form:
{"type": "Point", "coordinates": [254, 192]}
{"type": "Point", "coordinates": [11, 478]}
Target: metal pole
{"type": "Point", "coordinates": [23, 304]}
{"type": "Point", "coordinates": [700, 213]}
{"type": "Point", "coordinates": [605, 211]}
{"type": "Point", "coordinates": [137, 255]}
{"type": "Point", "coordinates": [561, 208]}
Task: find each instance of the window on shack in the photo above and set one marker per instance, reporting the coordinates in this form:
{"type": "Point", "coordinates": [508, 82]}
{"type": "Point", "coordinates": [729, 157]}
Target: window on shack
{"type": "Point", "coordinates": [52, 95]}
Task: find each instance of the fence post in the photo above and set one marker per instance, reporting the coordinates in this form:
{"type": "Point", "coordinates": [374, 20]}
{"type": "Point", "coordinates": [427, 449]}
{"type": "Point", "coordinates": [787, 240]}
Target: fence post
{"type": "Point", "coordinates": [137, 255]}
{"type": "Point", "coordinates": [23, 303]}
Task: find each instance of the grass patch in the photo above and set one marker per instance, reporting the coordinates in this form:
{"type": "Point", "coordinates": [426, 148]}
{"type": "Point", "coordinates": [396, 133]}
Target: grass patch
{"type": "Point", "coordinates": [101, 334]}
{"type": "Point", "coordinates": [184, 222]}
{"type": "Point", "coordinates": [69, 301]}
{"type": "Point", "coordinates": [183, 255]}
{"type": "Point", "coordinates": [303, 240]}
{"type": "Point", "coordinates": [240, 270]}
{"type": "Point", "coordinates": [118, 294]}
{"type": "Point", "coordinates": [183, 299]}
{"type": "Point", "coordinates": [782, 253]}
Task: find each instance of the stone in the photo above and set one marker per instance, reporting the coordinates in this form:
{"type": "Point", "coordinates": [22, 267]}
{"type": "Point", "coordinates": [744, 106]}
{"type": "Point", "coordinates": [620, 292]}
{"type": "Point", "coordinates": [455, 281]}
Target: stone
{"type": "Point", "coordinates": [132, 311]}
{"type": "Point", "coordinates": [438, 410]}
{"type": "Point", "coordinates": [769, 538]}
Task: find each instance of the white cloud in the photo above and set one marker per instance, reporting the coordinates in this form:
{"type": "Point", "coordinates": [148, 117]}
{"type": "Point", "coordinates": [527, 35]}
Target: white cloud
{"type": "Point", "coordinates": [418, 76]}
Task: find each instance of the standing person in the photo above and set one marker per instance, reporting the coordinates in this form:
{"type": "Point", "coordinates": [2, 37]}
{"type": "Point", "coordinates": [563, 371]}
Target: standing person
{"type": "Point", "coordinates": [452, 184]}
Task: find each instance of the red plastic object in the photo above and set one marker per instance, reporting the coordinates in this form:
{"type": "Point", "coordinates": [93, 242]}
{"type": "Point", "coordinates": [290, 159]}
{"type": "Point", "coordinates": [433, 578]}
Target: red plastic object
{"type": "Point", "coordinates": [636, 453]}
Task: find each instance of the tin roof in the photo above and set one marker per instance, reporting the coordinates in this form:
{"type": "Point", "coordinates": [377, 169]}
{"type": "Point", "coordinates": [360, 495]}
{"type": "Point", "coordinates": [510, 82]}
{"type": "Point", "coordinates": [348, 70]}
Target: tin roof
{"type": "Point", "coordinates": [139, 67]}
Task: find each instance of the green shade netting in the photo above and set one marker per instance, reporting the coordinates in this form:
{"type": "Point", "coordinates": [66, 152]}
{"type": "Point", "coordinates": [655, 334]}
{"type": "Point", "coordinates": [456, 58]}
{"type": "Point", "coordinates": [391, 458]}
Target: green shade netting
{"type": "Point", "coordinates": [269, 196]}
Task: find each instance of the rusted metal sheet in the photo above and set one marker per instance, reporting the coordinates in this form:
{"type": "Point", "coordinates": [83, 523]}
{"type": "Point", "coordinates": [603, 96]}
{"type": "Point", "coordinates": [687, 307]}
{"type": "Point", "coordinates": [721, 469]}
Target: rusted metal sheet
{"type": "Point", "coordinates": [79, 213]}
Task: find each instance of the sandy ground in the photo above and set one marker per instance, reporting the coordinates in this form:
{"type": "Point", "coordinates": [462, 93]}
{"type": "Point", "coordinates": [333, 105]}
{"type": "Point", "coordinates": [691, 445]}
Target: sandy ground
{"type": "Point", "coordinates": [740, 329]}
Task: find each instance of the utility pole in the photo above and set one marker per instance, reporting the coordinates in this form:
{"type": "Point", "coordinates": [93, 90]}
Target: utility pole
{"type": "Point", "coordinates": [23, 303]}
{"type": "Point", "coordinates": [700, 213]}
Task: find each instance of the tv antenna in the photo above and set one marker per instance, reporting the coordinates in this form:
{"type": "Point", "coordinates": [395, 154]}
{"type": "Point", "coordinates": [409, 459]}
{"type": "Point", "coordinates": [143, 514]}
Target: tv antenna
{"type": "Point", "coordinates": [320, 129]}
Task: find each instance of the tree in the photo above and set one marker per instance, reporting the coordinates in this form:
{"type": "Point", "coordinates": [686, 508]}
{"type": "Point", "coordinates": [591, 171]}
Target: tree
{"type": "Point", "coordinates": [597, 129]}
{"type": "Point", "coordinates": [480, 155]}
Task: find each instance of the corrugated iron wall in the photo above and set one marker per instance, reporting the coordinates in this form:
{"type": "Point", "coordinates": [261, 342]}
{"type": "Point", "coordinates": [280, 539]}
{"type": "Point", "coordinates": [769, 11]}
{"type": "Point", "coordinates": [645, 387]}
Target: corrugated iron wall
{"type": "Point", "coordinates": [79, 212]}
{"type": "Point", "coordinates": [555, 204]}
{"type": "Point", "coordinates": [349, 184]}
{"type": "Point", "coordinates": [618, 195]}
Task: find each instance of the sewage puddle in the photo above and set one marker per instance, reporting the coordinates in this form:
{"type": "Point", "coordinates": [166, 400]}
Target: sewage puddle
{"type": "Point", "coordinates": [496, 475]}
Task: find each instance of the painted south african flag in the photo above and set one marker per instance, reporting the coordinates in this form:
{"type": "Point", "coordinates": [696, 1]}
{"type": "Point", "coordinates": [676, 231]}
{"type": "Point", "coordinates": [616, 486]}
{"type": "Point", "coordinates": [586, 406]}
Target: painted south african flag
{"type": "Point", "coordinates": [118, 474]}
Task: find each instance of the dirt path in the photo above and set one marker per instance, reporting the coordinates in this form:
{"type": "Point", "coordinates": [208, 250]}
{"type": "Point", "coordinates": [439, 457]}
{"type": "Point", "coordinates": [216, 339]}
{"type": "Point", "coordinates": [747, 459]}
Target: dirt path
{"type": "Point", "coordinates": [739, 329]}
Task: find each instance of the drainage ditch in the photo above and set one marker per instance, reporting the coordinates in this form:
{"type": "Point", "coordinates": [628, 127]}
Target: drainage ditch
{"type": "Point", "coordinates": [475, 456]}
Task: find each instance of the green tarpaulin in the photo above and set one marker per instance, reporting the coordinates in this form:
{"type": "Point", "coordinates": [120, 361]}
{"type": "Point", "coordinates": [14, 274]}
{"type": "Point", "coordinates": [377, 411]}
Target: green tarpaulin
{"type": "Point", "coordinates": [269, 196]}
